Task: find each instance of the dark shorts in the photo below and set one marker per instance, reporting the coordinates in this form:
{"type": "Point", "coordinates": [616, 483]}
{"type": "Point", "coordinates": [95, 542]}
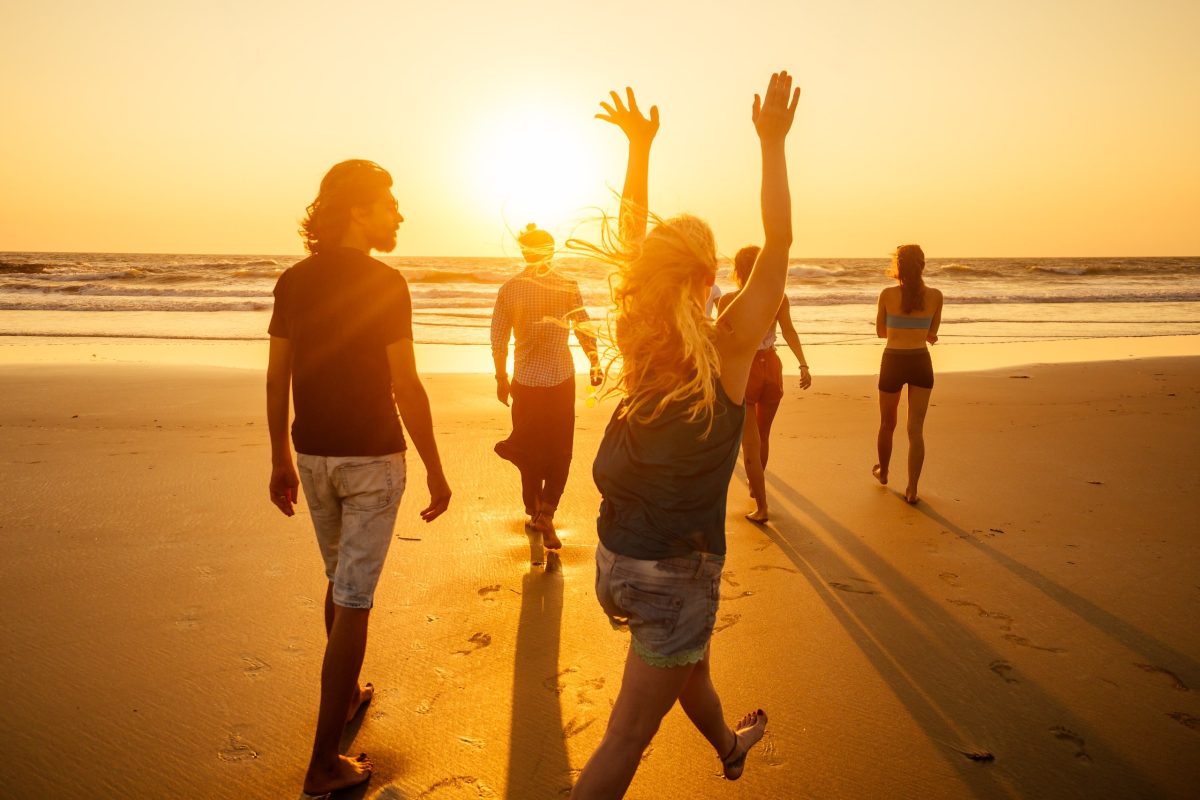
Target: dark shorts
{"type": "Point", "coordinates": [669, 605]}
{"type": "Point", "coordinates": [765, 384]}
{"type": "Point", "coordinates": [899, 367]}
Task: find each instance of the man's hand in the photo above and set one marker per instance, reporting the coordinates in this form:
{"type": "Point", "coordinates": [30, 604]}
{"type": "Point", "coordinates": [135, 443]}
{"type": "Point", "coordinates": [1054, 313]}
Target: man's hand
{"type": "Point", "coordinates": [283, 487]}
{"type": "Point", "coordinates": [503, 390]}
{"type": "Point", "coordinates": [439, 497]}
{"type": "Point", "coordinates": [773, 115]}
{"type": "Point", "coordinates": [637, 128]}
{"type": "Point", "coordinates": [596, 374]}
{"type": "Point", "coordinates": [805, 378]}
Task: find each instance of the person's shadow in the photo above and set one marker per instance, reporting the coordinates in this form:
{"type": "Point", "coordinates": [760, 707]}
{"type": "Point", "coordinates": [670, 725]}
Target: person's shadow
{"type": "Point", "coordinates": [537, 755]}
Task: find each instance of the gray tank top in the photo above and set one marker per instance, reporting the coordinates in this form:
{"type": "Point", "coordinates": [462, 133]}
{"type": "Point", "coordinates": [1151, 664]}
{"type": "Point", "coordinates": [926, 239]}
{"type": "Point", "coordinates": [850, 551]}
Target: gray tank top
{"type": "Point", "coordinates": [662, 486]}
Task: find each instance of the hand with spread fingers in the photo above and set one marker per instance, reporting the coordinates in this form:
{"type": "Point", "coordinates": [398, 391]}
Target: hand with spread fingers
{"type": "Point", "coordinates": [773, 114]}
{"type": "Point", "coordinates": [629, 118]}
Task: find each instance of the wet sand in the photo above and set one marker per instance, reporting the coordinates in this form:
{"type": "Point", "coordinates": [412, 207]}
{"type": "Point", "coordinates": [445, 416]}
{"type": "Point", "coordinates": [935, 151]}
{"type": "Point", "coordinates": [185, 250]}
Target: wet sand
{"type": "Point", "coordinates": [1027, 631]}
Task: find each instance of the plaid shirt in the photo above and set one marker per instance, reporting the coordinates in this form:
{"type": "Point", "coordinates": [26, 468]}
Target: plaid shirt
{"type": "Point", "coordinates": [539, 309]}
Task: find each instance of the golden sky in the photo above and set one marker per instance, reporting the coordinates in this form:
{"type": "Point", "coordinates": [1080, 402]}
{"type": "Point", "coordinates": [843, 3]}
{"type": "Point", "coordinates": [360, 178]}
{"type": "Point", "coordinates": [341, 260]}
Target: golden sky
{"type": "Point", "coordinates": [1003, 129]}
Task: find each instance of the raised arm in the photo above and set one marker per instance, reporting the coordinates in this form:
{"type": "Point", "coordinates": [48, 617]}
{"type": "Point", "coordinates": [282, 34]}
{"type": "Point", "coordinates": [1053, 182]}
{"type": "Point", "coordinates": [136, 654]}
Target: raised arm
{"type": "Point", "coordinates": [747, 318]}
{"type": "Point", "coordinates": [640, 132]}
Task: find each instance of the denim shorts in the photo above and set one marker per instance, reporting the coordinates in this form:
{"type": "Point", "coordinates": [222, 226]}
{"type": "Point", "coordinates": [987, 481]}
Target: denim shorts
{"type": "Point", "coordinates": [353, 502]}
{"type": "Point", "coordinates": [669, 605]}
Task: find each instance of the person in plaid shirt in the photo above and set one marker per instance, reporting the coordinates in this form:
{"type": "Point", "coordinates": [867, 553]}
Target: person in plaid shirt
{"type": "Point", "coordinates": [540, 306]}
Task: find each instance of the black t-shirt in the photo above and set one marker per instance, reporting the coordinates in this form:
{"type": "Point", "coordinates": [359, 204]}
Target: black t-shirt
{"type": "Point", "coordinates": [341, 309]}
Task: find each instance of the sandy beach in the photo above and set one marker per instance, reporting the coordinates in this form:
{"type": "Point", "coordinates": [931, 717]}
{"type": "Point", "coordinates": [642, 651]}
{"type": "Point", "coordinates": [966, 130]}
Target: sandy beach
{"type": "Point", "coordinates": [1027, 631]}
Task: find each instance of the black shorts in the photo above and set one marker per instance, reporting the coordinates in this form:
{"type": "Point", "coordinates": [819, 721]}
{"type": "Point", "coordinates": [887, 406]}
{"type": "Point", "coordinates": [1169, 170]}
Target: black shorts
{"type": "Point", "coordinates": [899, 367]}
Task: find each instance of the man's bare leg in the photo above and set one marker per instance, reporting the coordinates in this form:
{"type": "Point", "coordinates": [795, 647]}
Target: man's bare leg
{"type": "Point", "coordinates": [329, 770]}
{"type": "Point", "coordinates": [647, 694]}
{"type": "Point", "coordinates": [364, 693]}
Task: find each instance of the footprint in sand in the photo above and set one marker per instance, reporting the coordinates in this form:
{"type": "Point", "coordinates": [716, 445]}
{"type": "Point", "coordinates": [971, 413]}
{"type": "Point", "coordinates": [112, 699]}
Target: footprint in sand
{"type": "Point", "coordinates": [304, 602]}
{"type": "Point", "coordinates": [765, 567]}
{"type": "Point", "coordinates": [950, 578]}
{"type": "Point", "coordinates": [1177, 684]}
{"type": "Point", "coordinates": [480, 640]}
{"type": "Point", "coordinates": [455, 785]}
{"type": "Point", "coordinates": [190, 620]}
{"type": "Point", "coordinates": [206, 573]}
{"type": "Point", "coordinates": [426, 706]}
{"type": "Point", "coordinates": [1003, 669]}
{"type": "Point", "coordinates": [476, 743]}
{"type": "Point", "coordinates": [1006, 622]}
{"type": "Point", "coordinates": [770, 751]}
{"type": "Point", "coordinates": [236, 750]}
{"type": "Point", "coordinates": [254, 667]}
{"type": "Point", "coordinates": [728, 597]}
{"type": "Point", "coordinates": [1185, 719]}
{"type": "Point", "coordinates": [487, 590]}
{"type": "Point", "coordinates": [727, 621]}
{"type": "Point", "coordinates": [556, 684]}
{"type": "Point", "coordinates": [577, 725]}
{"type": "Point", "coordinates": [1021, 640]}
{"type": "Point", "coordinates": [845, 587]}
{"type": "Point", "coordinates": [1072, 738]}
{"type": "Point", "coordinates": [727, 577]}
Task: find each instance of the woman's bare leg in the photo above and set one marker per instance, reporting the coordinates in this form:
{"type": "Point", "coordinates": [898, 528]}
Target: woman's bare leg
{"type": "Point", "coordinates": [918, 405]}
{"type": "Point", "coordinates": [889, 404]}
{"type": "Point", "coordinates": [752, 461]}
{"type": "Point", "coordinates": [647, 694]}
{"type": "Point", "coordinates": [702, 705]}
{"type": "Point", "coordinates": [765, 414]}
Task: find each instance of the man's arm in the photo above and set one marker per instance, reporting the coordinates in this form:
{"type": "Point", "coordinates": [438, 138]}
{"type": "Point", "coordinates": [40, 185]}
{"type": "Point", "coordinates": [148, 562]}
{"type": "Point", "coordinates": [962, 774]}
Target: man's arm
{"type": "Point", "coordinates": [413, 404]}
{"type": "Point", "coordinates": [284, 480]}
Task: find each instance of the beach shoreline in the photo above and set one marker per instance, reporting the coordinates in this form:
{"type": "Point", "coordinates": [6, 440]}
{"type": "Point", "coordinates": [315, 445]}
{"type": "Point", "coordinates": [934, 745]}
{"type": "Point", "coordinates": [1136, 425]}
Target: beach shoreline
{"type": "Point", "coordinates": [825, 359]}
{"type": "Point", "coordinates": [1037, 606]}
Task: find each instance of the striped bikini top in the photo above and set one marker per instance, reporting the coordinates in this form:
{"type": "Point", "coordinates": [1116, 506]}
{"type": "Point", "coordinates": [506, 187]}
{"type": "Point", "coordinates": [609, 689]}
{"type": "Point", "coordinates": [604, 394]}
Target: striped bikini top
{"type": "Point", "coordinates": [905, 321]}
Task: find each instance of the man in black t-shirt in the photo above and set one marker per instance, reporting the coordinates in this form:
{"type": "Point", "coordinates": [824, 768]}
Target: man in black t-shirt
{"type": "Point", "coordinates": [342, 348]}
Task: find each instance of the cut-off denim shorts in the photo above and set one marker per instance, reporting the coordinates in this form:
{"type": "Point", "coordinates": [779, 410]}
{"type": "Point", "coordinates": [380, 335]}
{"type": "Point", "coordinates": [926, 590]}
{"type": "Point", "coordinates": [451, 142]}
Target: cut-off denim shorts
{"type": "Point", "coordinates": [669, 605]}
{"type": "Point", "coordinates": [353, 502]}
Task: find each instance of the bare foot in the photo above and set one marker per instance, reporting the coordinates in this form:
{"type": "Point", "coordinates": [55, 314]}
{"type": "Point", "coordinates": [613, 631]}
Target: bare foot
{"type": "Point", "coordinates": [747, 734]}
{"type": "Point", "coordinates": [365, 693]}
{"type": "Point", "coordinates": [758, 515]}
{"type": "Point", "coordinates": [880, 474]}
{"type": "Point", "coordinates": [545, 523]}
{"type": "Point", "coordinates": [344, 773]}
{"type": "Point", "coordinates": [910, 496]}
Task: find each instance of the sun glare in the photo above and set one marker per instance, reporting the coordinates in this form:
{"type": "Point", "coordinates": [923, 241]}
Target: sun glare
{"type": "Point", "coordinates": [530, 166]}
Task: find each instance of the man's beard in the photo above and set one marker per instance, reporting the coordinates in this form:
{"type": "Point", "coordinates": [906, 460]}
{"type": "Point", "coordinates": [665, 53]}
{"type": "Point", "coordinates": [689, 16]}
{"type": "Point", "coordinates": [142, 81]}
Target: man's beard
{"type": "Point", "coordinates": [384, 244]}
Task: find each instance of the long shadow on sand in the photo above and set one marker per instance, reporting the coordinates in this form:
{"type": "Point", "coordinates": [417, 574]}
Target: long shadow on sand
{"type": "Point", "coordinates": [537, 755]}
{"type": "Point", "coordinates": [942, 672]}
{"type": "Point", "coordinates": [1155, 652]}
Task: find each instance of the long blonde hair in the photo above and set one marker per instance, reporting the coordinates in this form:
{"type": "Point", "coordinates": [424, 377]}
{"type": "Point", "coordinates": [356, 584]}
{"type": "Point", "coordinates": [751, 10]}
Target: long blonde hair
{"type": "Point", "coordinates": [665, 341]}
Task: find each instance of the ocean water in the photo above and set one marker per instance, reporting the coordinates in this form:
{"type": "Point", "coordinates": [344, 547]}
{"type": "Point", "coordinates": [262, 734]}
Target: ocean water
{"type": "Point", "coordinates": [206, 297]}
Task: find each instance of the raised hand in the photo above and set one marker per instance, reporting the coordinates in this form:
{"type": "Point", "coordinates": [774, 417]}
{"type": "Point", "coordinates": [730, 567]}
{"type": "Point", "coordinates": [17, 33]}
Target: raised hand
{"type": "Point", "coordinates": [773, 116]}
{"type": "Point", "coordinates": [629, 118]}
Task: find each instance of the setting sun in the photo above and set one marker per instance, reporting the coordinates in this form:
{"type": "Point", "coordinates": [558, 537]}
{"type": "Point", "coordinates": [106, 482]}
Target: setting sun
{"type": "Point", "coordinates": [532, 165]}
